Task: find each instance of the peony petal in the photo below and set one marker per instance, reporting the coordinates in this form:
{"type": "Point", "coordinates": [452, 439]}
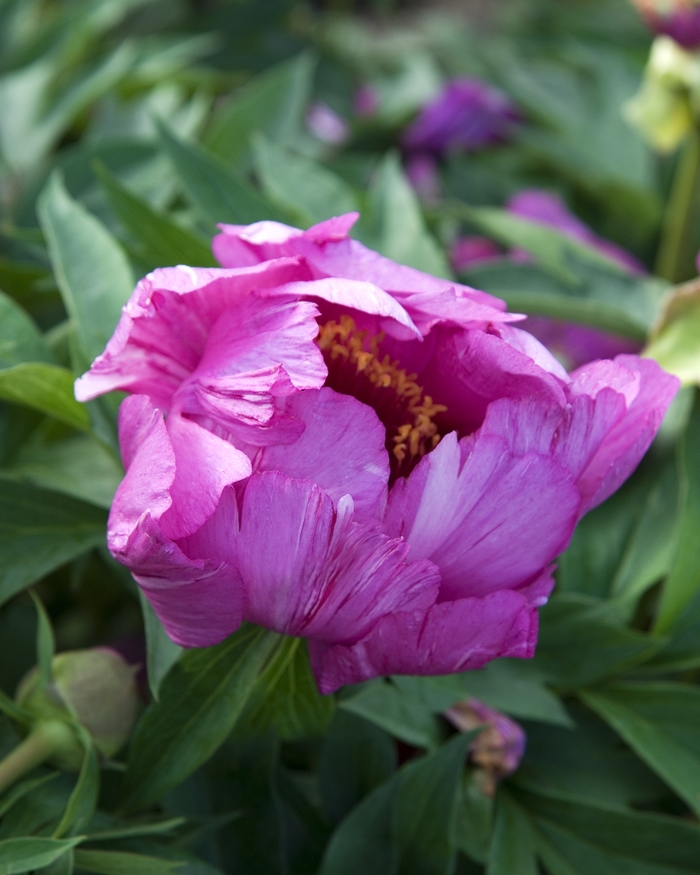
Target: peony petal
{"type": "Point", "coordinates": [310, 570]}
{"type": "Point", "coordinates": [164, 326]}
{"type": "Point", "coordinates": [447, 638]}
{"type": "Point", "coordinates": [630, 437]}
{"type": "Point", "coordinates": [257, 351]}
{"type": "Point", "coordinates": [341, 450]}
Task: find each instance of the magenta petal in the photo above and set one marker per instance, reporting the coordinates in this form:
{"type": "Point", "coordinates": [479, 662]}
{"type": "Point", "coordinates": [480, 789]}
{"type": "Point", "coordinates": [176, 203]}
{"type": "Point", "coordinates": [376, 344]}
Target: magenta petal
{"type": "Point", "coordinates": [341, 450]}
{"type": "Point", "coordinates": [310, 570]}
{"type": "Point", "coordinates": [163, 329]}
{"type": "Point", "coordinates": [262, 349]}
{"type": "Point", "coordinates": [205, 465]}
{"type": "Point", "coordinates": [649, 391]}
{"type": "Point", "coordinates": [450, 637]}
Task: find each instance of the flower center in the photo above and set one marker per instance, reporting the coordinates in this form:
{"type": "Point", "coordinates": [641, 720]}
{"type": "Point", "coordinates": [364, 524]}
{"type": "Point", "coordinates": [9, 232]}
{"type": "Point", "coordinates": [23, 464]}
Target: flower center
{"type": "Point", "coordinates": [407, 413]}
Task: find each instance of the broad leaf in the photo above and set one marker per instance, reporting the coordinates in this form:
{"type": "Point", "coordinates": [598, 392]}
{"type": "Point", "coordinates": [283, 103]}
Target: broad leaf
{"type": "Point", "coordinates": [306, 190]}
{"type": "Point", "coordinates": [513, 847]}
{"type": "Point", "coordinates": [27, 854]}
{"type": "Point", "coordinates": [273, 103]}
{"type": "Point", "coordinates": [217, 193]}
{"type": "Point", "coordinates": [200, 701]}
{"type": "Point", "coordinates": [124, 863]}
{"type": "Point", "coordinates": [161, 652]}
{"type": "Point", "coordinates": [83, 800]}
{"type": "Point", "coordinates": [659, 721]}
{"type": "Point", "coordinates": [91, 268]}
{"type": "Point", "coordinates": [46, 388]}
{"type": "Point", "coordinates": [20, 340]}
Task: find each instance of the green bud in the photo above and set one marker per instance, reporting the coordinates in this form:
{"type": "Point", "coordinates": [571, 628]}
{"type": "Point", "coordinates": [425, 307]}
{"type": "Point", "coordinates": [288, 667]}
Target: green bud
{"type": "Point", "coordinates": [93, 688]}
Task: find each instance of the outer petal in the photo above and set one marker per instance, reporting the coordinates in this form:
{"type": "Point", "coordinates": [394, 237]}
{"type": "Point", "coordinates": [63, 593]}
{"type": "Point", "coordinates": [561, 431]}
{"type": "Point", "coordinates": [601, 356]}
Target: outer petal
{"type": "Point", "coordinates": [341, 450]}
{"type": "Point", "coordinates": [448, 638]}
{"type": "Point", "coordinates": [631, 436]}
{"type": "Point", "coordinates": [310, 570]}
{"type": "Point", "coordinates": [489, 517]}
{"type": "Point", "coordinates": [199, 601]}
{"type": "Point", "coordinates": [163, 329]}
{"type": "Point", "coordinates": [259, 350]}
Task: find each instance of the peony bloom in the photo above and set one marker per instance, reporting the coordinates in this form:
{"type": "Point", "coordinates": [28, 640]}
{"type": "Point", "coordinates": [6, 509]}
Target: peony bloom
{"type": "Point", "coordinates": [467, 115]}
{"type": "Point", "coordinates": [335, 446]}
{"type": "Point", "coordinates": [679, 19]}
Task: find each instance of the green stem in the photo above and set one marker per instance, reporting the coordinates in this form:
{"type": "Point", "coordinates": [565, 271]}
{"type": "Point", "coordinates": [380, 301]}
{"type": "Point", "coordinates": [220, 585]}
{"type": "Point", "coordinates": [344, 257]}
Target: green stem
{"type": "Point", "coordinates": [680, 214]}
{"type": "Point", "coordinates": [43, 741]}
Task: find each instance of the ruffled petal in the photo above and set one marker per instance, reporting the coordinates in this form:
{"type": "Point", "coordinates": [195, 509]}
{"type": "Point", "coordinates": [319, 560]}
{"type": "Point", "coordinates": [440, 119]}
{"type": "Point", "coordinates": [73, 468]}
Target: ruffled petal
{"type": "Point", "coordinates": [262, 349]}
{"type": "Point", "coordinates": [447, 638]}
{"type": "Point", "coordinates": [164, 326]}
{"type": "Point", "coordinates": [649, 391]}
{"type": "Point", "coordinates": [341, 450]}
{"type": "Point", "coordinates": [310, 570]}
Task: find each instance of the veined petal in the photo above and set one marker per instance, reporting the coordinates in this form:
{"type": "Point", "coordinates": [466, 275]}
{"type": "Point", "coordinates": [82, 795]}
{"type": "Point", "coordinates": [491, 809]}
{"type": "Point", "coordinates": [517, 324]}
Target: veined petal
{"type": "Point", "coordinates": [449, 637]}
{"type": "Point", "coordinates": [310, 570]}
{"type": "Point", "coordinates": [164, 326]}
{"type": "Point", "coordinates": [341, 450]}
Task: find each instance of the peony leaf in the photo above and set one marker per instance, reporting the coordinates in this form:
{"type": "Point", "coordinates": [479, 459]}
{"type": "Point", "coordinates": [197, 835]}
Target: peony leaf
{"type": "Point", "coordinates": [512, 846]}
{"type": "Point", "coordinates": [201, 699]}
{"type": "Point", "coordinates": [91, 269]}
{"type": "Point", "coordinates": [20, 339]}
{"type": "Point", "coordinates": [27, 854]}
{"type": "Point", "coordinates": [46, 388]}
{"type": "Point", "coordinates": [659, 721]}
{"type": "Point", "coordinates": [125, 863]}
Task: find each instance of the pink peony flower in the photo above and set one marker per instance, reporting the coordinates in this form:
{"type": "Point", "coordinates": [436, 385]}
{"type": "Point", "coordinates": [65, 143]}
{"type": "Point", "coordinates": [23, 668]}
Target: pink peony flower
{"type": "Point", "coordinates": [342, 448]}
{"type": "Point", "coordinates": [679, 19]}
{"type": "Point", "coordinates": [467, 115]}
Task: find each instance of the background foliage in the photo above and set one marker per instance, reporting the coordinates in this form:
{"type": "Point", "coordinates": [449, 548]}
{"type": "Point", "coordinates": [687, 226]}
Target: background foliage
{"type": "Point", "coordinates": [128, 129]}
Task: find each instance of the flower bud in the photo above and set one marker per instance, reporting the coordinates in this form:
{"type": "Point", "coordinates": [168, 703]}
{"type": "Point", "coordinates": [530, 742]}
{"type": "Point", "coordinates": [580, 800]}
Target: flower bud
{"type": "Point", "coordinates": [95, 688]}
{"type": "Point", "coordinates": [679, 19]}
{"type": "Point", "coordinates": [498, 749]}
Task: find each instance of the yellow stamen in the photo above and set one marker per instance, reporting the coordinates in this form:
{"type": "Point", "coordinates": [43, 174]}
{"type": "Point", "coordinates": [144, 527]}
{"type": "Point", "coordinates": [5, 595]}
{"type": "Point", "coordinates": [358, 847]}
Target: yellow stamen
{"type": "Point", "coordinates": [341, 341]}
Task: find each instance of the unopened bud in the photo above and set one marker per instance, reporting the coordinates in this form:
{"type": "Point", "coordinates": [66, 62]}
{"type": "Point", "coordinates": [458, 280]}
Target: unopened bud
{"type": "Point", "coordinates": [94, 688]}
{"type": "Point", "coordinates": [498, 749]}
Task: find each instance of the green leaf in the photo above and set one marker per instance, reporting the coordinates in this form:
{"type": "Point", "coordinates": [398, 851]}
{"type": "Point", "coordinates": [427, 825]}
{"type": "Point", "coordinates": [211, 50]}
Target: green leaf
{"type": "Point", "coordinates": [20, 790]}
{"type": "Point", "coordinates": [305, 189]}
{"type": "Point", "coordinates": [161, 651]}
{"type": "Point", "coordinates": [91, 269]}
{"type": "Point", "coordinates": [159, 242]}
{"type": "Point", "coordinates": [285, 697]}
{"type": "Point", "coordinates": [659, 721]}
{"type": "Point", "coordinates": [77, 465]}
{"type": "Point", "coordinates": [400, 231]}
{"type": "Point", "coordinates": [426, 809]}
{"type": "Point", "coordinates": [200, 701]}
{"type": "Point", "coordinates": [83, 800]}
{"type": "Point", "coordinates": [604, 646]}
{"type": "Point", "coordinates": [133, 830]}
{"type": "Point", "coordinates": [608, 839]}
{"type": "Point", "coordinates": [14, 712]}
{"type": "Point", "coordinates": [683, 583]}
{"type": "Point", "coordinates": [45, 643]}
{"type": "Point", "coordinates": [124, 863]}
{"type": "Point", "coordinates": [395, 711]}
{"type": "Point", "coordinates": [217, 193]}
{"type": "Point", "coordinates": [20, 339]}
{"type": "Point", "coordinates": [40, 531]}
{"type": "Point", "coordinates": [364, 841]}
{"type": "Point", "coordinates": [65, 865]}
{"type": "Point", "coordinates": [356, 756]}
{"type": "Point", "coordinates": [474, 826]}
{"type": "Point", "coordinates": [273, 102]}
{"type": "Point", "coordinates": [512, 847]}
{"type": "Point", "coordinates": [26, 854]}
{"type": "Point", "coordinates": [46, 388]}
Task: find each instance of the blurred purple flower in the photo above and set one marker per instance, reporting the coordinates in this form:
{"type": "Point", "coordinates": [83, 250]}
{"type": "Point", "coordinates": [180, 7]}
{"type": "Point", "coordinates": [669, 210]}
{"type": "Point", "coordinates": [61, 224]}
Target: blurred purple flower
{"type": "Point", "coordinates": [326, 125]}
{"type": "Point", "coordinates": [423, 174]}
{"type": "Point", "coordinates": [467, 115]}
{"type": "Point", "coordinates": [497, 750]}
{"type": "Point", "coordinates": [366, 101]}
{"type": "Point", "coordinates": [549, 209]}
{"type": "Point", "coordinates": [345, 449]}
{"type": "Point", "coordinates": [679, 19]}
{"type": "Point", "coordinates": [468, 251]}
